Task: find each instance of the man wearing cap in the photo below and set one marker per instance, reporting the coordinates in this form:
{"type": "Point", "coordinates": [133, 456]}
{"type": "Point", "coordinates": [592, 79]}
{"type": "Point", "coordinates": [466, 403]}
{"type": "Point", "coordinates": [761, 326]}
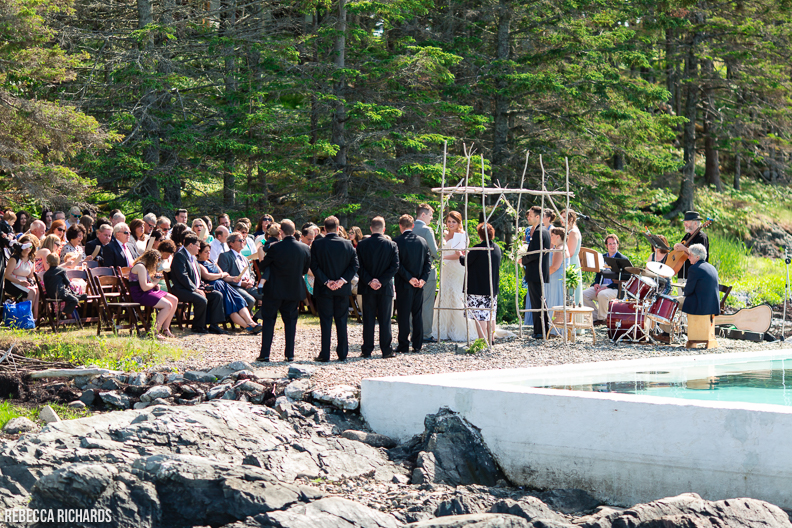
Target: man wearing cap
{"type": "Point", "coordinates": [692, 222]}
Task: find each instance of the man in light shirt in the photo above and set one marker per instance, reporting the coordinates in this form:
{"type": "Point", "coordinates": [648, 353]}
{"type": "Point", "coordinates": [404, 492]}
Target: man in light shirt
{"type": "Point", "coordinates": [218, 245]}
{"type": "Point", "coordinates": [233, 263]}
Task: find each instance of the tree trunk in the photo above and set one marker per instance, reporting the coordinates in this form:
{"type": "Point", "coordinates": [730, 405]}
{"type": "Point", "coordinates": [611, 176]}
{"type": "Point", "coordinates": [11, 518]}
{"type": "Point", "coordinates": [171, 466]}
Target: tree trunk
{"type": "Point", "coordinates": [688, 186]}
{"type": "Point", "coordinates": [227, 23]}
{"type": "Point", "coordinates": [670, 67]}
{"type": "Point", "coordinates": [618, 162]}
{"type": "Point", "coordinates": [711, 157]}
{"type": "Point", "coordinates": [500, 147]}
{"type": "Point", "coordinates": [737, 168]}
{"type": "Point", "coordinates": [339, 115]}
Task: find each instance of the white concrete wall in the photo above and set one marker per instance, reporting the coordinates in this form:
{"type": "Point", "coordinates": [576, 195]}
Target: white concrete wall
{"type": "Point", "coordinates": [624, 449]}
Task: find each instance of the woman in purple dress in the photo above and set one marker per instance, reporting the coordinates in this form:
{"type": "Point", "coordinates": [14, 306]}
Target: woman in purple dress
{"type": "Point", "coordinates": [146, 292]}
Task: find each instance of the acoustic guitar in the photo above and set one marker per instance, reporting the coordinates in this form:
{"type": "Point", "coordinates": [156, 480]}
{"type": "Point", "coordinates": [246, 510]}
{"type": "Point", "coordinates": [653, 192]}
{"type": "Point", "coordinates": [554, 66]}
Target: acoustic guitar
{"type": "Point", "coordinates": [756, 319]}
{"type": "Point", "coordinates": [676, 259]}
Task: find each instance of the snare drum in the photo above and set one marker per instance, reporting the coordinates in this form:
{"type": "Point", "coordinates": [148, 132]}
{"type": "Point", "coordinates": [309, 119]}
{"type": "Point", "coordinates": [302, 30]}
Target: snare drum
{"type": "Point", "coordinates": [640, 288]}
{"type": "Point", "coordinates": [663, 309]}
{"type": "Point", "coordinates": [621, 317]}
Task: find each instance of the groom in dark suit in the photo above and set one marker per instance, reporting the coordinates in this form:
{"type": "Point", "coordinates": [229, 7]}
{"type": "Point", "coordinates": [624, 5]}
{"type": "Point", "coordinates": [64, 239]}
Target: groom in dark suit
{"type": "Point", "coordinates": [334, 264]}
{"type": "Point", "coordinates": [415, 263]}
{"type": "Point", "coordinates": [379, 262]}
{"type": "Point", "coordinates": [533, 262]}
{"type": "Point", "coordinates": [186, 280]}
{"type": "Point", "coordinates": [287, 262]}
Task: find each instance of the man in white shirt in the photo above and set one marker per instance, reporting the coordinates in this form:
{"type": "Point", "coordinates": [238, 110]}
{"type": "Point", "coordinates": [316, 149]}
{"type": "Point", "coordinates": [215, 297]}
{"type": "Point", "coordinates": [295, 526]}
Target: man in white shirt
{"type": "Point", "coordinates": [233, 263]}
{"type": "Point", "coordinates": [218, 245]}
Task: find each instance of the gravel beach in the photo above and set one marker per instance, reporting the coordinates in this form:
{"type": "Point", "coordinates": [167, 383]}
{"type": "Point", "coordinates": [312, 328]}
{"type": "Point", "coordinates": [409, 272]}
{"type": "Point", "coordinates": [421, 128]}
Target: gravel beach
{"type": "Point", "coordinates": [213, 350]}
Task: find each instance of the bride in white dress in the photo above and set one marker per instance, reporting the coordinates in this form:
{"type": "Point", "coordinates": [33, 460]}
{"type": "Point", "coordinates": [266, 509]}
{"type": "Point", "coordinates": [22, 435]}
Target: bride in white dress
{"type": "Point", "coordinates": [449, 325]}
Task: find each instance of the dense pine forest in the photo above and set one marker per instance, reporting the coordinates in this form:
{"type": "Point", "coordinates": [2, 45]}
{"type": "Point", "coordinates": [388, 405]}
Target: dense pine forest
{"type": "Point", "coordinates": [308, 107]}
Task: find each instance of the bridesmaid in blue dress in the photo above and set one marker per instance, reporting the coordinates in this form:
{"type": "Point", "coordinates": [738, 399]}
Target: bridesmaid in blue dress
{"type": "Point", "coordinates": [234, 304]}
{"type": "Point", "coordinates": [573, 241]}
{"type": "Point", "coordinates": [556, 293]}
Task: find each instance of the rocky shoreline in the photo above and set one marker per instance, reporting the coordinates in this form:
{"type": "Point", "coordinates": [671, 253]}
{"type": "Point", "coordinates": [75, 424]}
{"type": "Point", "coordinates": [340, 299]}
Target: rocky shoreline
{"type": "Point", "coordinates": [239, 450]}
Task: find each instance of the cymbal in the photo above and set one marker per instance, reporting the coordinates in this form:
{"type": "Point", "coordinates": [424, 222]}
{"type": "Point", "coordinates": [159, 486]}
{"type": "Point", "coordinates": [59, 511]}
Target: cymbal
{"type": "Point", "coordinates": [660, 269]}
{"type": "Point", "coordinates": [634, 271]}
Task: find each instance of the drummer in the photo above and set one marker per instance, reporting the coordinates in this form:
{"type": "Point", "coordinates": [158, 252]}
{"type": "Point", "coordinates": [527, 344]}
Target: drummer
{"type": "Point", "coordinates": [603, 290]}
{"type": "Point", "coordinates": [660, 255]}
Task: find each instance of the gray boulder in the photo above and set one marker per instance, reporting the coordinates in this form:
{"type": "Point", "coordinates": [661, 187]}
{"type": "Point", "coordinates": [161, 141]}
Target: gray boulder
{"type": "Point", "coordinates": [198, 375]}
{"type": "Point", "coordinates": [76, 404]}
{"type": "Point", "coordinates": [300, 371]}
{"type": "Point", "coordinates": [529, 508]}
{"type": "Point", "coordinates": [340, 396]}
{"type": "Point", "coordinates": [298, 390]}
{"type": "Point", "coordinates": [570, 500]}
{"type": "Point", "coordinates": [372, 439]}
{"type": "Point", "coordinates": [332, 512]}
{"type": "Point", "coordinates": [18, 425]}
{"type": "Point", "coordinates": [475, 520]}
{"type": "Point", "coordinates": [453, 452]}
{"type": "Point", "coordinates": [462, 504]}
{"type": "Point", "coordinates": [139, 379]}
{"type": "Point", "coordinates": [158, 391]}
{"type": "Point", "coordinates": [48, 415]}
{"type": "Point", "coordinates": [88, 397]}
{"type": "Point", "coordinates": [116, 400]}
{"type": "Point", "coordinates": [690, 510]}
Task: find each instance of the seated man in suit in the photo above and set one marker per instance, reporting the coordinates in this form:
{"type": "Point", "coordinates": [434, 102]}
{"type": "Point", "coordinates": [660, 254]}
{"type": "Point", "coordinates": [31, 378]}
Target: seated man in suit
{"type": "Point", "coordinates": [603, 290]}
{"type": "Point", "coordinates": [104, 234]}
{"type": "Point", "coordinates": [334, 264]}
{"type": "Point", "coordinates": [286, 262]}
{"type": "Point", "coordinates": [379, 262]}
{"type": "Point", "coordinates": [415, 264]}
{"type": "Point", "coordinates": [233, 263]}
{"type": "Point", "coordinates": [701, 288]}
{"type": "Point", "coordinates": [187, 287]}
{"type": "Point", "coordinates": [120, 252]}
{"type": "Point", "coordinates": [56, 284]}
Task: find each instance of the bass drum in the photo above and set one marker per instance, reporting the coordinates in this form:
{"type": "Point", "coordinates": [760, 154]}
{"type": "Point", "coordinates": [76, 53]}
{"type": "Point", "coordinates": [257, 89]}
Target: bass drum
{"type": "Point", "coordinates": [621, 317]}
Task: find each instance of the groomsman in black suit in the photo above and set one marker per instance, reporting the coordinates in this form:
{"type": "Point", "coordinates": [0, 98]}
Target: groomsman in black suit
{"type": "Point", "coordinates": [186, 279]}
{"type": "Point", "coordinates": [532, 263]}
{"type": "Point", "coordinates": [415, 263]}
{"type": "Point", "coordinates": [379, 262]}
{"type": "Point", "coordinates": [287, 262]}
{"type": "Point", "coordinates": [334, 264]}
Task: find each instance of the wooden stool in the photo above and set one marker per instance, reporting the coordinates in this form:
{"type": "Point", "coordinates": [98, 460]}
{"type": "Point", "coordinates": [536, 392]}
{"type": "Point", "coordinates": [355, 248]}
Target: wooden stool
{"type": "Point", "coordinates": [701, 331]}
{"type": "Point", "coordinates": [582, 317]}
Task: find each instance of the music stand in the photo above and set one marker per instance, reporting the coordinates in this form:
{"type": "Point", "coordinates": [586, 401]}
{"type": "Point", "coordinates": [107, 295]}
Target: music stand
{"type": "Point", "coordinates": [617, 266]}
{"type": "Point", "coordinates": [655, 242]}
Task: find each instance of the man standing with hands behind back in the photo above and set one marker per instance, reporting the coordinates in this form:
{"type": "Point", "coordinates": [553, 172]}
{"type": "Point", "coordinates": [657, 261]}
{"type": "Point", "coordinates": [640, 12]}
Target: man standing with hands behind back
{"type": "Point", "coordinates": [379, 262]}
{"type": "Point", "coordinates": [414, 266]}
{"type": "Point", "coordinates": [423, 217]}
{"type": "Point", "coordinates": [534, 262]}
{"type": "Point", "coordinates": [334, 264]}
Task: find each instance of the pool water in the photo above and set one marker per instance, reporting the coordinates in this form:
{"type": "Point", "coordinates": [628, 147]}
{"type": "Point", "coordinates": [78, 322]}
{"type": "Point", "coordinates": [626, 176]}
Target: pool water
{"type": "Point", "coordinates": [766, 382]}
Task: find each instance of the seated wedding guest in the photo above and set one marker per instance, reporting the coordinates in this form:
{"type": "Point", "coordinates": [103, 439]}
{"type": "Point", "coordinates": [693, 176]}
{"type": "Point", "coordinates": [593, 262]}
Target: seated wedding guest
{"type": "Point", "coordinates": [356, 235]}
{"type": "Point", "coordinates": [166, 248]}
{"type": "Point", "coordinates": [218, 245]}
{"type": "Point", "coordinates": [73, 218]}
{"type": "Point", "coordinates": [137, 227]}
{"type": "Point", "coordinates": [58, 228]}
{"type": "Point", "coordinates": [248, 244]}
{"type": "Point", "coordinates": [104, 233]}
{"type": "Point", "coordinates": [150, 221]}
{"type": "Point", "coordinates": [178, 233]}
{"type": "Point", "coordinates": [603, 290]}
{"type": "Point", "coordinates": [263, 224]}
{"type": "Point", "coordinates": [37, 229]}
{"type": "Point", "coordinates": [7, 228]}
{"type": "Point", "coordinates": [199, 228]}
{"type": "Point", "coordinates": [117, 218]}
{"type": "Point", "coordinates": [155, 238]}
{"type": "Point", "coordinates": [20, 275]}
{"type": "Point", "coordinates": [181, 216]}
{"type": "Point", "coordinates": [22, 222]}
{"type": "Point", "coordinates": [92, 235]}
{"type": "Point", "coordinates": [235, 264]}
{"type": "Point", "coordinates": [59, 215]}
{"type": "Point", "coordinates": [58, 286]}
{"type": "Point", "coordinates": [147, 292]}
{"type": "Point", "coordinates": [209, 228]}
{"type": "Point", "coordinates": [224, 220]}
{"type": "Point", "coordinates": [51, 245]}
{"type": "Point", "coordinates": [88, 223]}
{"type": "Point", "coordinates": [235, 306]}
{"type": "Point", "coordinates": [120, 252]}
{"type": "Point", "coordinates": [482, 295]}
{"type": "Point", "coordinates": [74, 236]}
{"type": "Point", "coordinates": [46, 217]}
{"type": "Point", "coordinates": [164, 225]}
{"type": "Point", "coordinates": [188, 287]}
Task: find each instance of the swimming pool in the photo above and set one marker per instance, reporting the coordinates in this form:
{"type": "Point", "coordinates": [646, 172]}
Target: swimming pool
{"type": "Point", "coordinates": [663, 427]}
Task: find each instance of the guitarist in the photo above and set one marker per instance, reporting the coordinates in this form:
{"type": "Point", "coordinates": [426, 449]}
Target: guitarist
{"type": "Point", "coordinates": [692, 222]}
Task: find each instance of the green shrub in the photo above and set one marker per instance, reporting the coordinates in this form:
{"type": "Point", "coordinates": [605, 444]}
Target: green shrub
{"type": "Point", "coordinates": [507, 311]}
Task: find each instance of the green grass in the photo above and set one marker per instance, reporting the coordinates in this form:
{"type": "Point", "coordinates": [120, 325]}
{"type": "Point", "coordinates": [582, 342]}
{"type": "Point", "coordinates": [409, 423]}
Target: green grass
{"type": "Point", "coordinates": [8, 412]}
{"type": "Point", "coordinates": [83, 347]}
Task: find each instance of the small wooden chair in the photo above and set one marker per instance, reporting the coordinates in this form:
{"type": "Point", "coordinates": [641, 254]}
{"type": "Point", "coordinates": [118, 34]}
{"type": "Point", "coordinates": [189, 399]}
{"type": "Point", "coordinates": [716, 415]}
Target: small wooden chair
{"type": "Point", "coordinates": [115, 302]}
{"type": "Point", "coordinates": [725, 290]}
{"type": "Point", "coordinates": [50, 308]}
{"type": "Point", "coordinates": [91, 264]}
{"type": "Point", "coordinates": [92, 305]}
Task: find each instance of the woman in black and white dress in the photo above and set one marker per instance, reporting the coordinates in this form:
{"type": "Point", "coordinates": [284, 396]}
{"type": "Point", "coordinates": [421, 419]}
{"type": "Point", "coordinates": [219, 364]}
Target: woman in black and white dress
{"type": "Point", "coordinates": [482, 295]}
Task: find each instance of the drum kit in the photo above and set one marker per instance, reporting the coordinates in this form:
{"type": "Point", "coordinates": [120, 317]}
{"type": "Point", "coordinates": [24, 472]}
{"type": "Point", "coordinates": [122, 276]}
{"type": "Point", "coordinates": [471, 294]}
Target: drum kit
{"type": "Point", "coordinates": [647, 304]}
